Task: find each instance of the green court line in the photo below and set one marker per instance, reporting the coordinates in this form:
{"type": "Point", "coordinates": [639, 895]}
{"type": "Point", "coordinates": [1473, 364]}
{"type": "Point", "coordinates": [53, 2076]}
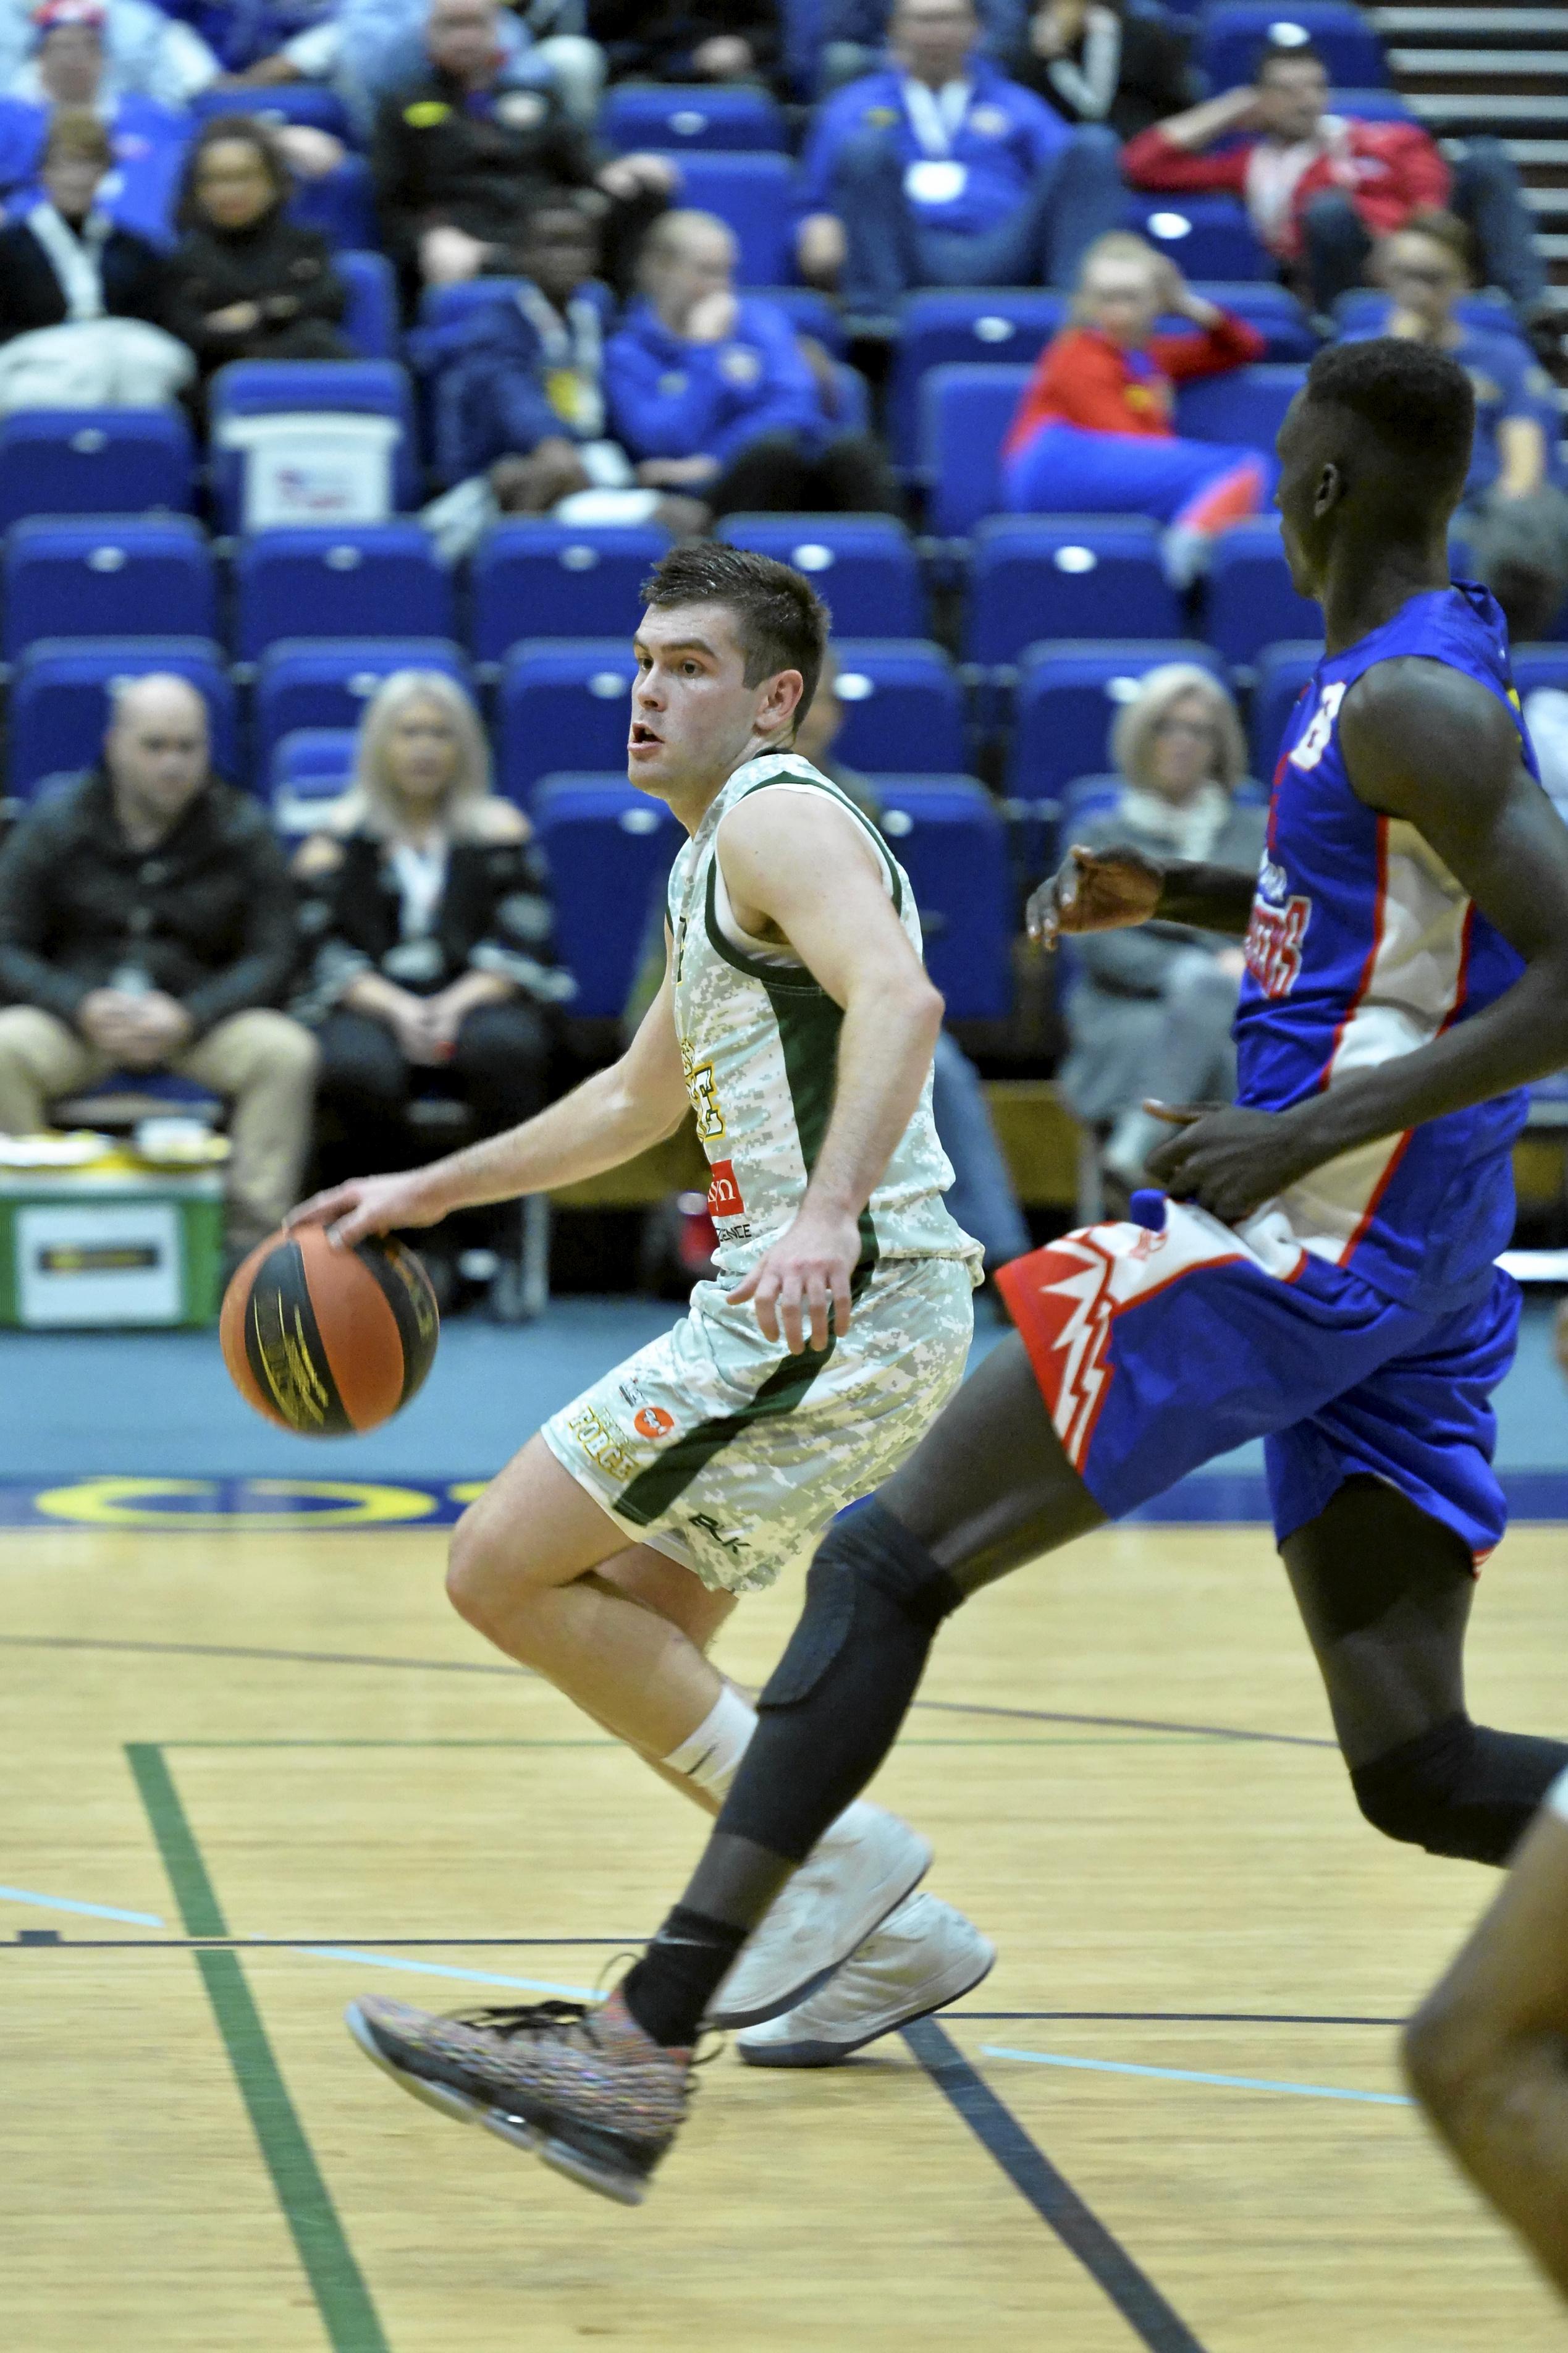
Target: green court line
{"type": "Point", "coordinates": [336, 2282]}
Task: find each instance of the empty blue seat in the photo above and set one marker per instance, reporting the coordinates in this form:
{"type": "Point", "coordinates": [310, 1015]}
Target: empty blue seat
{"type": "Point", "coordinates": [370, 323]}
{"type": "Point", "coordinates": [310, 387]}
{"type": "Point", "coordinates": [948, 835]}
{"type": "Point", "coordinates": [327, 682]}
{"type": "Point", "coordinates": [939, 327]}
{"type": "Point", "coordinates": [60, 700]}
{"type": "Point", "coordinates": [309, 769]}
{"type": "Point", "coordinates": [1250, 602]}
{"type": "Point", "coordinates": [341, 204]}
{"type": "Point", "coordinates": [1205, 237]}
{"type": "Point", "coordinates": [862, 566]}
{"type": "Point", "coordinates": [610, 849]}
{"type": "Point", "coordinates": [1282, 670]}
{"type": "Point", "coordinates": [541, 579]}
{"type": "Point", "coordinates": [105, 576]}
{"type": "Point", "coordinates": [754, 194]}
{"type": "Point", "coordinates": [1066, 702]}
{"type": "Point", "coordinates": [964, 414]}
{"type": "Point", "coordinates": [1247, 405]}
{"type": "Point", "coordinates": [367, 580]}
{"type": "Point", "coordinates": [684, 116]}
{"type": "Point", "coordinates": [1272, 309]}
{"type": "Point", "coordinates": [280, 104]}
{"type": "Point", "coordinates": [57, 461]}
{"type": "Point", "coordinates": [562, 704]}
{"type": "Point", "coordinates": [1065, 576]}
{"type": "Point", "coordinates": [1374, 105]}
{"type": "Point", "coordinates": [1232, 32]}
{"type": "Point", "coordinates": [903, 708]}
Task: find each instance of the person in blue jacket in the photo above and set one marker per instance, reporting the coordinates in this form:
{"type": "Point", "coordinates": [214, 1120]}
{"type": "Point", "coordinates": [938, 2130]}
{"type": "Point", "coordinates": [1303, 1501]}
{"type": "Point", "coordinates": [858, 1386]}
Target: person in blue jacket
{"type": "Point", "coordinates": [70, 68]}
{"type": "Point", "coordinates": [712, 393]}
{"type": "Point", "coordinates": [940, 172]}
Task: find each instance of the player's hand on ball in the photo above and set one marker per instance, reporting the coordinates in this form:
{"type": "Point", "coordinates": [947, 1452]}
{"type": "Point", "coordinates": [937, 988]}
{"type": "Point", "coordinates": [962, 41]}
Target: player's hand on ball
{"type": "Point", "coordinates": [807, 1272]}
{"type": "Point", "coordinates": [369, 1205]}
{"type": "Point", "coordinates": [1228, 1161]}
{"type": "Point", "coordinates": [1094, 891]}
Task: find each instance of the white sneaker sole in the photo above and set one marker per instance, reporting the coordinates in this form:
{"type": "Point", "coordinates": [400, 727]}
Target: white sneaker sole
{"type": "Point", "coordinates": [879, 1904]}
{"type": "Point", "coordinates": [833, 2054]}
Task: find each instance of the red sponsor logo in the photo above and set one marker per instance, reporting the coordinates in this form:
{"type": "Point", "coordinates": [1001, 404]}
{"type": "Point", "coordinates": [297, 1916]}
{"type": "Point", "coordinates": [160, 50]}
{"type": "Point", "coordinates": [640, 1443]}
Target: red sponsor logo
{"type": "Point", "coordinates": [724, 1193]}
{"type": "Point", "coordinates": [1274, 945]}
{"type": "Point", "coordinates": [653, 1422]}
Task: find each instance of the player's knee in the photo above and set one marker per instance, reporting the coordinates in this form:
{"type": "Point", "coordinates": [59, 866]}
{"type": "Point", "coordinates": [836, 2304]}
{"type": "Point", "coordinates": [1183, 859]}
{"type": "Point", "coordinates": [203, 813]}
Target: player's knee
{"type": "Point", "coordinates": [1424, 1794]}
{"type": "Point", "coordinates": [870, 1577]}
{"type": "Point", "coordinates": [472, 1571]}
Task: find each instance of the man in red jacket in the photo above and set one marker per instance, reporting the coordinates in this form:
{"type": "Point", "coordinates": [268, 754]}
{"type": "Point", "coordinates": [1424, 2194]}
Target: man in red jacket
{"type": "Point", "coordinates": [1320, 187]}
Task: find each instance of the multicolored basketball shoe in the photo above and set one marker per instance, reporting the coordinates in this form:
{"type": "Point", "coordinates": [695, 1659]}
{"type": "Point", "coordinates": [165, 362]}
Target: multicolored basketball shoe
{"type": "Point", "coordinates": [579, 2084]}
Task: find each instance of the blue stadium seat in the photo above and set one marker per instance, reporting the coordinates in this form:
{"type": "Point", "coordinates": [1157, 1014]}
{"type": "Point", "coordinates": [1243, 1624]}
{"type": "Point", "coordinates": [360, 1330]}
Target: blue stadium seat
{"type": "Point", "coordinates": [1374, 105]}
{"type": "Point", "coordinates": [804, 26]}
{"type": "Point", "coordinates": [1066, 702]}
{"type": "Point", "coordinates": [1272, 309]}
{"type": "Point", "coordinates": [562, 704]}
{"type": "Point", "coordinates": [1250, 602]}
{"type": "Point", "coordinates": [314, 387]}
{"type": "Point", "coordinates": [59, 700]}
{"type": "Point", "coordinates": [280, 104]}
{"type": "Point", "coordinates": [1539, 664]}
{"type": "Point", "coordinates": [370, 323]}
{"type": "Point", "coordinates": [811, 314]}
{"type": "Point", "coordinates": [681, 116]}
{"type": "Point", "coordinates": [852, 413]}
{"type": "Point", "coordinates": [541, 579]}
{"type": "Point", "coordinates": [57, 461]}
{"type": "Point", "coordinates": [310, 768]}
{"type": "Point", "coordinates": [448, 306]}
{"type": "Point", "coordinates": [1065, 576]}
{"type": "Point", "coordinates": [609, 849]}
{"type": "Point", "coordinates": [903, 708]}
{"type": "Point", "coordinates": [965, 413]}
{"type": "Point", "coordinates": [948, 835]}
{"type": "Point", "coordinates": [1232, 32]}
{"type": "Point", "coordinates": [939, 327]}
{"type": "Point", "coordinates": [364, 580]}
{"type": "Point", "coordinates": [1366, 307]}
{"type": "Point", "coordinates": [327, 682]}
{"type": "Point", "coordinates": [862, 564]}
{"type": "Point", "coordinates": [1247, 405]}
{"type": "Point", "coordinates": [341, 204]}
{"type": "Point", "coordinates": [754, 194]}
{"type": "Point", "coordinates": [1282, 670]}
{"type": "Point", "coordinates": [1205, 237]}
{"type": "Point", "coordinates": [104, 575]}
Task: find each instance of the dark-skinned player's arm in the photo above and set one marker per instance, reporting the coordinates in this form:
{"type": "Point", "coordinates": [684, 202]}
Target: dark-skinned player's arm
{"type": "Point", "coordinates": [1487, 2053]}
{"type": "Point", "coordinates": [1422, 743]}
{"type": "Point", "coordinates": [1107, 889]}
{"type": "Point", "coordinates": [804, 869]}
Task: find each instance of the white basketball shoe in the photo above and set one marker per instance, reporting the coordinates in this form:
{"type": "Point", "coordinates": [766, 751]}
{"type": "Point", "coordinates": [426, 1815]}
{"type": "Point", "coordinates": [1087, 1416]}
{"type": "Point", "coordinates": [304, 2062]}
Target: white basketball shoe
{"type": "Point", "coordinates": [922, 1957]}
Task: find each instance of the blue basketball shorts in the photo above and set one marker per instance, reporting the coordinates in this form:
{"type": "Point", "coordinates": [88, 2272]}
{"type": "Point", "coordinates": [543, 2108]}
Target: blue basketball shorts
{"type": "Point", "coordinates": [1156, 1351]}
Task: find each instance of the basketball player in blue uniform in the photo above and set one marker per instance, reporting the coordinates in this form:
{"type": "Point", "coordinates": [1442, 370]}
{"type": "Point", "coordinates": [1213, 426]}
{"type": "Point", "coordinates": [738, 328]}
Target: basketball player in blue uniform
{"type": "Point", "coordinates": [1318, 1271]}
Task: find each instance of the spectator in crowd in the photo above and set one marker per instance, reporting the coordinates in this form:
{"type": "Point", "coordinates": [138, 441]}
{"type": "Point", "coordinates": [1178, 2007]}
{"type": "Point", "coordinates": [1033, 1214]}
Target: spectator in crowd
{"type": "Point", "coordinates": [1149, 1010]}
{"type": "Point", "coordinates": [688, 40]}
{"type": "Point", "coordinates": [940, 172]}
{"type": "Point", "coordinates": [462, 153]}
{"type": "Point", "coordinates": [147, 924]}
{"type": "Point", "coordinates": [1093, 433]}
{"type": "Point", "coordinates": [1320, 187]}
{"type": "Point", "coordinates": [365, 50]}
{"type": "Point", "coordinates": [1103, 61]}
{"type": "Point", "coordinates": [1514, 517]}
{"type": "Point", "coordinates": [80, 297]}
{"type": "Point", "coordinates": [245, 283]}
{"type": "Point", "coordinates": [712, 395]}
{"type": "Point", "coordinates": [853, 39]}
{"type": "Point", "coordinates": [147, 52]}
{"type": "Point", "coordinates": [428, 916]}
{"type": "Point", "coordinates": [69, 69]}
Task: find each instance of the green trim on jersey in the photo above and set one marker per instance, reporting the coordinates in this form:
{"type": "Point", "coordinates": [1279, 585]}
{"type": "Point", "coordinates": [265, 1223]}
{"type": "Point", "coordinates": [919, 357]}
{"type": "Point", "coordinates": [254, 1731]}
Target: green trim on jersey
{"type": "Point", "coordinates": [655, 1490]}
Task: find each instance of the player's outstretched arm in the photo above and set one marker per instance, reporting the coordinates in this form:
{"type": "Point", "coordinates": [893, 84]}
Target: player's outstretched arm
{"type": "Point", "coordinates": [611, 1117]}
{"type": "Point", "coordinates": [1487, 2053]}
{"type": "Point", "coordinates": [1108, 890]}
{"type": "Point", "coordinates": [806, 869]}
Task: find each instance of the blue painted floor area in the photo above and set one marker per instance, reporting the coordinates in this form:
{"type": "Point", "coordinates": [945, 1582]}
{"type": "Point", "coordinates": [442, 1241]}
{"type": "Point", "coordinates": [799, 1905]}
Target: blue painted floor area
{"type": "Point", "coordinates": [159, 1403]}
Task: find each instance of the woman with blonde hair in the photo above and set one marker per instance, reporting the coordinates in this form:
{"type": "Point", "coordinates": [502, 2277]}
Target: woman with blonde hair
{"type": "Point", "coordinates": [1149, 1010]}
{"type": "Point", "coordinates": [1093, 433]}
{"type": "Point", "coordinates": [427, 914]}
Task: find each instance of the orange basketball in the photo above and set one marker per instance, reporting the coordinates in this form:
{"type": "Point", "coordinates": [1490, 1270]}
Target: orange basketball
{"type": "Point", "coordinates": [327, 1341]}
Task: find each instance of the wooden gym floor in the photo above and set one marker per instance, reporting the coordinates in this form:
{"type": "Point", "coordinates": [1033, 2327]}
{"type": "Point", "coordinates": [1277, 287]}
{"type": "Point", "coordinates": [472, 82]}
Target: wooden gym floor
{"type": "Point", "coordinates": [251, 1734]}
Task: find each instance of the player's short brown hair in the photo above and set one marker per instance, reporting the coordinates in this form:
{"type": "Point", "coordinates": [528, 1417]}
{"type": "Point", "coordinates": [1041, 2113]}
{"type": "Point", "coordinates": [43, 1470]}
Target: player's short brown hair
{"type": "Point", "coordinates": [782, 623]}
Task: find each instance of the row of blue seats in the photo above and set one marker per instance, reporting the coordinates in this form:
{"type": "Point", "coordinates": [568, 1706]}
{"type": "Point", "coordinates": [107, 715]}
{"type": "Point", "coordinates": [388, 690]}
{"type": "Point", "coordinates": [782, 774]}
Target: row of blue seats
{"type": "Point", "coordinates": [563, 704]}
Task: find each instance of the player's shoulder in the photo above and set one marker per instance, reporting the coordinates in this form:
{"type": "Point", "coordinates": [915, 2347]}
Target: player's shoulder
{"type": "Point", "coordinates": [1416, 724]}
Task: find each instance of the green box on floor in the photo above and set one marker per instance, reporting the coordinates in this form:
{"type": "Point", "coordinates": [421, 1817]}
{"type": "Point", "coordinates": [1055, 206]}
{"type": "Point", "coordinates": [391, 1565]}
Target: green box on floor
{"type": "Point", "coordinates": [109, 1250]}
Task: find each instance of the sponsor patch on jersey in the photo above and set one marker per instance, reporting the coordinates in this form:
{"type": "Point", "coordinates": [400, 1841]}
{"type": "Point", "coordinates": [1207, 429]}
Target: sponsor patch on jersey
{"type": "Point", "coordinates": [724, 1192]}
{"type": "Point", "coordinates": [602, 1444]}
{"type": "Point", "coordinates": [1273, 944]}
{"type": "Point", "coordinates": [653, 1421]}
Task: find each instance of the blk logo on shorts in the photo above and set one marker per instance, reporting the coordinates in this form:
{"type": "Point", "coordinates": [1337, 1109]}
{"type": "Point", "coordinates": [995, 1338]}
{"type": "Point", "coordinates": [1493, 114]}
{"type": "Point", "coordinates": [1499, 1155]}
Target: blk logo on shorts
{"type": "Point", "coordinates": [724, 1193]}
{"type": "Point", "coordinates": [653, 1422]}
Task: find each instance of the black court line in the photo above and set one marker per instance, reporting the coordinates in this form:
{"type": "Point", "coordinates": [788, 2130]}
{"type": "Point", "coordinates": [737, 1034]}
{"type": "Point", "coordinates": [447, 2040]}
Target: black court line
{"type": "Point", "coordinates": [1153, 2321]}
{"type": "Point", "coordinates": [54, 1943]}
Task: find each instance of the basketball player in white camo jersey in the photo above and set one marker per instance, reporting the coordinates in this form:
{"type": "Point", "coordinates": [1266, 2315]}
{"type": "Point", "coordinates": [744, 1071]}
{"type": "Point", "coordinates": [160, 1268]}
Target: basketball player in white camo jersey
{"type": "Point", "coordinates": [796, 1020]}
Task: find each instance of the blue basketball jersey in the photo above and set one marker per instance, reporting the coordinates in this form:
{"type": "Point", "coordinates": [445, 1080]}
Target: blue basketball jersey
{"type": "Point", "coordinates": [1363, 947]}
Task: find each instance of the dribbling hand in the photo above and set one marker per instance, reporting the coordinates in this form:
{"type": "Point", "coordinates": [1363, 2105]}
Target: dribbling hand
{"type": "Point", "coordinates": [1094, 891]}
{"type": "Point", "coordinates": [368, 1205]}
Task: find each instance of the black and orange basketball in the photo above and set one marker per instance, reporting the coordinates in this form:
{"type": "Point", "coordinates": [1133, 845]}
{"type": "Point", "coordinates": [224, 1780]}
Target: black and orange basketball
{"type": "Point", "coordinates": [327, 1341]}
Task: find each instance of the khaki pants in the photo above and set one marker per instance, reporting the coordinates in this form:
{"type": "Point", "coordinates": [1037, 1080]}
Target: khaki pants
{"type": "Point", "coordinates": [263, 1064]}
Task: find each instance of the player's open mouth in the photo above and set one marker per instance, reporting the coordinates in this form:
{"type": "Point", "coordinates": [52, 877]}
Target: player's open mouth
{"type": "Point", "coordinates": [641, 738]}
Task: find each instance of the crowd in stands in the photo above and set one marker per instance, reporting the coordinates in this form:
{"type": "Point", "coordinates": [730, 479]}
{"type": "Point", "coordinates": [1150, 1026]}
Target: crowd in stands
{"type": "Point", "coordinates": [587, 338]}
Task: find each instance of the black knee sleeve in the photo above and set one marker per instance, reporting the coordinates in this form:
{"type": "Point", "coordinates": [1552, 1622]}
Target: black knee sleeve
{"type": "Point", "coordinates": [1459, 1789]}
{"type": "Point", "coordinates": [871, 1564]}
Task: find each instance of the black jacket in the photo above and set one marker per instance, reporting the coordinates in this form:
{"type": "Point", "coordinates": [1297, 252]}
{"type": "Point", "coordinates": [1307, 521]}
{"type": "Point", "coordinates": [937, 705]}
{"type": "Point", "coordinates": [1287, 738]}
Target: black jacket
{"type": "Point", "coordinates": [208, 914]}
{"type": "Point", "coordinates": [1154, 78]}
{"type": "Point", "coordinates": [435, 164]}
{"type": "Point", "coordinates": [135, 281]}
{"type": "Point", "coordinates": [288, 272]}
{"type": "Point", "coordinates": [654, 43]}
